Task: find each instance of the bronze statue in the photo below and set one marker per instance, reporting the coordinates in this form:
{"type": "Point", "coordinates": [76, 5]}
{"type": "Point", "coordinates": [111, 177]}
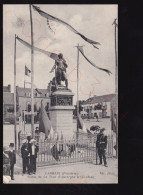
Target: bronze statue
{"type": "Point", "coordinates": [60, 73]}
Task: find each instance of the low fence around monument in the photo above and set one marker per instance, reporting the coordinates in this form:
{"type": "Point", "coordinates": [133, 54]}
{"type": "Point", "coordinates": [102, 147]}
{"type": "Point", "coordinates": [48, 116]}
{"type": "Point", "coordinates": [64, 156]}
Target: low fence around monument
{"type": "Point", "coordinates": [68, 150]}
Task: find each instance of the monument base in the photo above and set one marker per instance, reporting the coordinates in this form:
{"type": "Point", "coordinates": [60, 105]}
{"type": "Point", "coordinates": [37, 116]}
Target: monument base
{"type": "Point", "coordinates": [61, 112]}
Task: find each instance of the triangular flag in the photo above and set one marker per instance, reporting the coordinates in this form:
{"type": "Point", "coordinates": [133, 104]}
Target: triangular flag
{"type": "Point", "coordinates": [27, 71]}
{"type": "Point", "coordinates": [80, 123]}
{"type": "Point", "coordinates": [44, 123]}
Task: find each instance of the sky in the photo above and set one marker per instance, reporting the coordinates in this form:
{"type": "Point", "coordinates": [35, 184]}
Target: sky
{"type": "Point", "coordinates": [93, 21]}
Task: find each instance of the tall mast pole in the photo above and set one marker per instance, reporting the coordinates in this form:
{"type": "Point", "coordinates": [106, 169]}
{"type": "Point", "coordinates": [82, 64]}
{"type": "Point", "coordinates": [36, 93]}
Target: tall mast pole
{"type": "Point", "coordinates": [77, 84]}
{"type": "Point", "coordinates": [15, 130]}
{"type": "Point", "coordinates": [116, 63]}
{"type": "Point", "coordinates": [32, 75]}
{"type": "Point", "coordinates": [116, 85]}
{"type": "Point", "coordinates": [78, 81]}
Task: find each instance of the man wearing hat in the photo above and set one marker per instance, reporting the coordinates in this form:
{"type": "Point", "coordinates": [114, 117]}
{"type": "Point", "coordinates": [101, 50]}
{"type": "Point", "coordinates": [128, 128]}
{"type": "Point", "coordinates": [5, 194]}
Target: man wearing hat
{"type": "Point", "coordinates": [12, 158]}
{"type": "Point", "coordinates": [101, 145]}
{"type": "Point", "coordinates": [25, 156]}
{"type": "Point", "coordinates": [33, 150]}
{"type": "Point", "coordinates": [28, 141]}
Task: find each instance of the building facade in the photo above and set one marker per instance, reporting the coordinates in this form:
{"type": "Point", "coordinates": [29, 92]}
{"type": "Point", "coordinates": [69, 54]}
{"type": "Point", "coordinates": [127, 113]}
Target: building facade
{"type": "Point", "coordinates": [8, 104]}
{"type": "Point", "coordinates": [100, 105]}
{"type": "Point", "coordinates": [24, 101]}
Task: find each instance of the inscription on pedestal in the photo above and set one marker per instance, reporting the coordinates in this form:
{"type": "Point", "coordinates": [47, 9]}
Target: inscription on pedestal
{"type": "Point", "coordinates": [61, 101]}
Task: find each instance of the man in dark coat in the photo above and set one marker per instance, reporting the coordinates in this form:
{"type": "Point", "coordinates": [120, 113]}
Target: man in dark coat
{"type": "Point", "coordinates": [33, 150]}
{"type": "Point", "coordinates": [101, 145]}
{"type": "Point", "coordinates": [12, 158]}
{"type": "Point", "coordinates": [25, 157]}
{"type": "Point", "coordinates": [28, 141]}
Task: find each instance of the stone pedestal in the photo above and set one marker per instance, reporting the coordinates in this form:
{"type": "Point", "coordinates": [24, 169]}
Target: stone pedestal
{"type": "Point", "coordinates": [61, 111]}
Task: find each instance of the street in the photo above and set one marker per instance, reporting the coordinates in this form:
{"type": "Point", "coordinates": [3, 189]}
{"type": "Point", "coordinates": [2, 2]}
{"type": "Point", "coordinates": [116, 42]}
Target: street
{"type": "Point", "coordinates": [71, 173]}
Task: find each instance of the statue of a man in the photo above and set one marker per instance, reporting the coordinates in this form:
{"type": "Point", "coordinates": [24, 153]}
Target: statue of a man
{"type": "Point", "coordinates": [61, 65]}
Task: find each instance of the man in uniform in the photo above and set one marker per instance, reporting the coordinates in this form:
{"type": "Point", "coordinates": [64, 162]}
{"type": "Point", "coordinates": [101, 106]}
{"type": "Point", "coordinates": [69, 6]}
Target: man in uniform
{"type": "Point", "coordinates": [61, 70]}
{"type": "Point", "coordinates": [12, 158]}
{"type": "Point", "coordinates": [101, 145]}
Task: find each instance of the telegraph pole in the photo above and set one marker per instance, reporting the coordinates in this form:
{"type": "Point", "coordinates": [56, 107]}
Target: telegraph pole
{"type": "Point", "coordinates": [32, 75]}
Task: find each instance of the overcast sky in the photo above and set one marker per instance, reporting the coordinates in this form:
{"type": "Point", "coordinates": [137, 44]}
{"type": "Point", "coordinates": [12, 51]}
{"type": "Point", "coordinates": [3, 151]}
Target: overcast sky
{"type": "Point", "coordinates": [93, 21]}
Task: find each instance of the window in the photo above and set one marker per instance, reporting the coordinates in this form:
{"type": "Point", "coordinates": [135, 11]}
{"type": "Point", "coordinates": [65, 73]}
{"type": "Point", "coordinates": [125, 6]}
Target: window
{"type": "Point", "coordinates": [28, 107]}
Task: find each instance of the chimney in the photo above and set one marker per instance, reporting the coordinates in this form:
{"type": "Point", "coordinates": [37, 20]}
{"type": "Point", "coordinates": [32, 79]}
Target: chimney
{"type": "Point", "coordinates": [9, 88]}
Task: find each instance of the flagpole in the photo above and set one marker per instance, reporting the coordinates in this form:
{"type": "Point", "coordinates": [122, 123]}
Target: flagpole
{"type": "Point", "coordinates": [32, 75]}
{"type": "Point", "coordinates": [116, 85]}
{"type": "Point", "coordinates": [23, 117]}
{"type": "Point", "coordinates": [15, 130]}
{"type": "Point", "coordinates": [78, 81]}
{"type": "Point", "coordinates": [77, 84]}
{"type": "Point", "coordinates": [24, 83]}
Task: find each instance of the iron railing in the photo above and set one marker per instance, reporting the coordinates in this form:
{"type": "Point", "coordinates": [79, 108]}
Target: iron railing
{"type": "Point", "coordinates": [81, 148]}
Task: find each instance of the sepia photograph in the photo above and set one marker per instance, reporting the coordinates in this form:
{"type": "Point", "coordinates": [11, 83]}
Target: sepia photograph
{"type": "Point", "coordinates": [60, 94]}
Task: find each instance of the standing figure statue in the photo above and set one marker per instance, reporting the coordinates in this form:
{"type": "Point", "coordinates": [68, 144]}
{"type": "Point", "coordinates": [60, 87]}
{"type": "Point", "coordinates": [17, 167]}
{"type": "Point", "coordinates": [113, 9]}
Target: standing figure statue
{"type": "Point", "coordinates": [60, 73]}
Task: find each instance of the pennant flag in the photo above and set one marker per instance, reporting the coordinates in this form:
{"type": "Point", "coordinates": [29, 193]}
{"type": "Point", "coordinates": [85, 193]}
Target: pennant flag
{"type": "Point", "coordinates": [115, 22]}
{"type": "Point", "coordinates": [107, 71]}
{"type": "Point", "coordinates": [44, 122]}
{"type": "Point", "coordinates": [27, 71]}
{"type": "Point", "coordinates": [80, 123]}
{"type": "Point", "coordinates": [52, 18]}
{"type": "Point", "coordinates": [51, 55]}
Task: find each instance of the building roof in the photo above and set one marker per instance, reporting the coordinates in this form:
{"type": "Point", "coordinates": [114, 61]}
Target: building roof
{"type": "Point", "coordinates": [8, 98]}
{"type": "Point", "coordinates": [99, 99]}
{"type": "Point", "coordinates": [22, 91]}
